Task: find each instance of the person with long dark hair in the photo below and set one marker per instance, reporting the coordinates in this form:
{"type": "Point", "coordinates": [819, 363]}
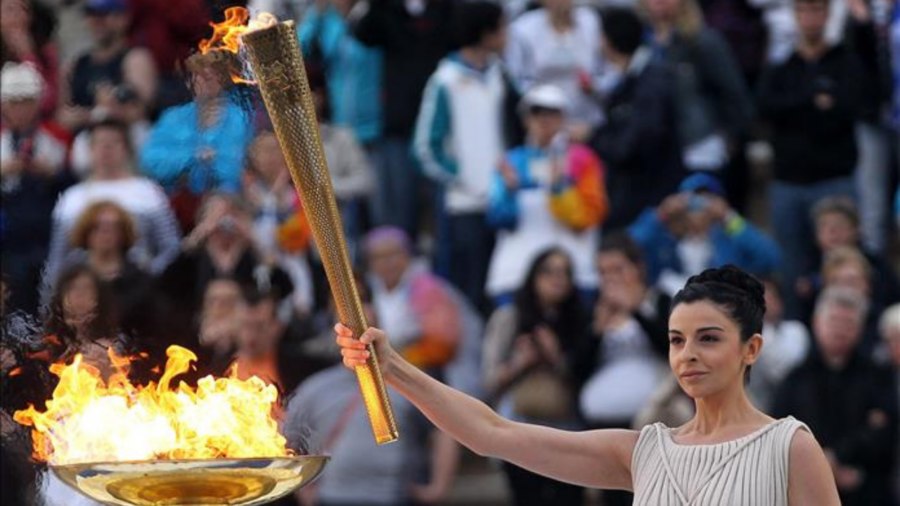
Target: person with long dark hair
{"type": "Point", "coordinates": [728, 453]}
{"type": "Point", "coordinates": [526, 365]}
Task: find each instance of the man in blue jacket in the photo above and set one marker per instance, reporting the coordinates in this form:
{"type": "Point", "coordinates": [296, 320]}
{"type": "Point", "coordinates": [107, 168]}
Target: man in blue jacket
{"type": "Point", "coordinates": [696, 229]}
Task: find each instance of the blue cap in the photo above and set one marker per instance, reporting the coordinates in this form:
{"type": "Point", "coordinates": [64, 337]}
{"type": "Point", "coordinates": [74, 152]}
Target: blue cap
{"type": "Point", "coordinates": [105, 6]}
{"type": "Point", "coordinates": [702, 182]}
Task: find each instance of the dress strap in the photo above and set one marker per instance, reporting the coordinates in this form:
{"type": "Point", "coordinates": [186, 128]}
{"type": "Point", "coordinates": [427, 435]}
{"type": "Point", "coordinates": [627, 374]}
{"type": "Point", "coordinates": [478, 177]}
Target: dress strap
{"type": "Point", "coordinates": [668, 467]}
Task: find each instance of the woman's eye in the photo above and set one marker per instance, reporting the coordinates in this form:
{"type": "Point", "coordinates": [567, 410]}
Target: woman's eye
{"type": "Point", "coordinates": [675, 340]}
{"type": "Point", "coordinates": [709, 338]}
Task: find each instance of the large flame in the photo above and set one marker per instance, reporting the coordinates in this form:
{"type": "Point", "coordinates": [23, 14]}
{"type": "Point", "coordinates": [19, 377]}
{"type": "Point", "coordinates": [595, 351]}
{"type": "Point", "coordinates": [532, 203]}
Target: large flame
{"type": "Point", "coordinates": [227, 34]}
{"type": "Point", "coordinates": [89, 420]}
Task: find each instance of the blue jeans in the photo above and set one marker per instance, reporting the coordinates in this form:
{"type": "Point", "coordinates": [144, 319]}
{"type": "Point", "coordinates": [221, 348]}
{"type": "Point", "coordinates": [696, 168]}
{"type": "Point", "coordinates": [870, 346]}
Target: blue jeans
{"type": "Point", "coordinates": [396, 185]}
{"type": "Point", "coordinates": [792, 225]}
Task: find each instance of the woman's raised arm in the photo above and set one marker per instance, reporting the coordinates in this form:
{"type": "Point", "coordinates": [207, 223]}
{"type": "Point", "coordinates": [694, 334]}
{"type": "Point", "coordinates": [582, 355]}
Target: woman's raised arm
{"type": "Point", "coordinates": [597, 459]}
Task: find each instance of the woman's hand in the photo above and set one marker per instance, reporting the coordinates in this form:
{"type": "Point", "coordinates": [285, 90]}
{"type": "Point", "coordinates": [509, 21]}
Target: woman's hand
{"type": "Point", "coordinates": [356, 351]}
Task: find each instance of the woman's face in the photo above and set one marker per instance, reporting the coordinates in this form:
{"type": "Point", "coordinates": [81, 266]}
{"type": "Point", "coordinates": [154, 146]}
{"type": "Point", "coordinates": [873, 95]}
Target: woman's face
{"type": "Point", "coordinates": [106, 232]}
{"type": "Point", "coordinates": [553, 281]}
{"type": "Point", "coordinates": [80, 301]}
{"type": "Point", "coordinates": [705, 350]}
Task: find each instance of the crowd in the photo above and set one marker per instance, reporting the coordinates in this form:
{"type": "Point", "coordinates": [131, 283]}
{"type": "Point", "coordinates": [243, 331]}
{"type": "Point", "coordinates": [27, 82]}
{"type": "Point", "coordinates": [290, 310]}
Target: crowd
{"type": "Point", "coordinates": [523, 187]}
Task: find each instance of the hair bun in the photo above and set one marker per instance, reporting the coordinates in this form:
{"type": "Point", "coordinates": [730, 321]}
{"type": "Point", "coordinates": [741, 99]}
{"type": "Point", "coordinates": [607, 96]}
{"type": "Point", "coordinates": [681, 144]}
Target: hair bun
{"type": "Point", "coordinates": [736, 278]}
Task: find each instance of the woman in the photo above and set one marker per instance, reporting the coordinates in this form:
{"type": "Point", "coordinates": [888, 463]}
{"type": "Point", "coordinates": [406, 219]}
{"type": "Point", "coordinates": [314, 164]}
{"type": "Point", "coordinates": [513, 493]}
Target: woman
{"type": "Point", "coordinates": [747, 457]}
{"type": "Point", "coordinates": [203, 142]}
{"type": "Point", "coordinates": [81, 319]}
{"type": "Point", "coordinates": [101, 238]}
{"type": "Point", "coordinates": [527, 346]}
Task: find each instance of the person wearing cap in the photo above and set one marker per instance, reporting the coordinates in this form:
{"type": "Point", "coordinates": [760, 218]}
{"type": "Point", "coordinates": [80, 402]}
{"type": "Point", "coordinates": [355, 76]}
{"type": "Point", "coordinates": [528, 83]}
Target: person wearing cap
{"type": "Point", "coordinates": [111, 73]}
{"type": "Point", "coordinates": [549, 192]}
{"type": "Point", "coordinates": [27, 29]}
{"type": "Point", "coordinates": [32, 154]}
{"type": "Point", "coordinates": [459, 140]}
{"type": "Point", "coordinates": [696, 229]}
{"type": "Point", "coordinates": [639, 140]}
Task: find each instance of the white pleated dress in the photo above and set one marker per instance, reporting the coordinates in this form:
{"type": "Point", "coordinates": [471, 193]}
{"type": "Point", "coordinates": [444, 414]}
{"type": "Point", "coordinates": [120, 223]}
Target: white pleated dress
{"type": "Point", "coordinates": [748, 471]}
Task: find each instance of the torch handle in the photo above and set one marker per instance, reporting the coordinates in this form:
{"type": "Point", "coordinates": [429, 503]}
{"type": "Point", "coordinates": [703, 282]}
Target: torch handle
{"type": "Point", "coordinates": [277, 63]}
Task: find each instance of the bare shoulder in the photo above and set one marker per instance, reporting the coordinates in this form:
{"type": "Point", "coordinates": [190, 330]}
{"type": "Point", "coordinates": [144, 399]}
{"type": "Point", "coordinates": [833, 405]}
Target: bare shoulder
{"type": "Point", "coordinates": [810, 480]}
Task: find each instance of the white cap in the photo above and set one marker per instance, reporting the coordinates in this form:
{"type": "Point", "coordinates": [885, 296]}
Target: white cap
{"type": "Point", "coordinates": [544, 95]}
{"type": "Point", "coordinates": [20, 81]}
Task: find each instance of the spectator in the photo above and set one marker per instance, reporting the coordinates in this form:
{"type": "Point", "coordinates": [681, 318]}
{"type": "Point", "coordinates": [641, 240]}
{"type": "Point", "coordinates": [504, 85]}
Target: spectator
{"type": "Point", "coordinates": [626, 344]}
{"type": "Point", "coordinates": [868, 37]}
{"type": "Point", "coordinates": [528, 347]}
{"type": "Point", "coordinates": [110, 70]}
{"type": "Point", "coordinates": [262, 345]}
{"type": "Point", "coordinates": [81, 319]}
{"type": "Point", "coordinates": [220, 321]}
{"type": "Point", "coordinates": [786, 344]}
{"type": "Point", "coordinates": [559, 44]}
{"type": "Point", "coordinates": [112, 179]}
{"type": "Point", "coordinates": [426, 323]}
{"type": "Point", "coordinates": [354, 70]}
{"type": "Point", "coordinates": [847, 401]}
{"type": "Point", "coordinates": [221, 246]}
{"type": "Point", "coordinates": [413, 36]}
{"type": "Point", "coordinates": [638, 142]}
{"type": "Point", "coordinates": [811, 102]}
{"type": "Point", "coordinates": [890, 333]}
{"type": "Point", "coordinates": [101, 238]}
{"type": "Point", "coordinates": [32, 154]}
{"type": "Point", "coordinates": [847, 268]}
{"type": "Point", "coordinates": [280, 228]}
{"type": "Point", "coordinates": [459, 139]}
{"type": "Point", "coordinates": [714, 108]}
{"type": "Point", "coordinates": [696, 229]}
{"type": "Point", "coordinates": [200, 146]}
{"type": "Point", "coordinates": [170, 35]}
{"type": "Point", "coordinates": [837, 226]}
{"type": "Point", "coordinates": [26, 27]}
{"type": "Point", "coordinates": [549, 192]}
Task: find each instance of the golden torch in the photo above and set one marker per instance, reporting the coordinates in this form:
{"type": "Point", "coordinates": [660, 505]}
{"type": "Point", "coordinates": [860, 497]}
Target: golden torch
{"type": "Point", "coordinates": [277, 63]}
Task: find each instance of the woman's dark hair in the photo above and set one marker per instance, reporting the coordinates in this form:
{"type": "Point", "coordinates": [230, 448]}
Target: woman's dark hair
{"type": "Point", "coordinates": [567, 322]}
{"type": "Point", "coordinates": [103, 325]}
{"type": "Point", "coordinates": [623, 29]}
{"type": "Point", "coordinates": [473, 20]}
{"type": "Point", "coordinates": [740, 296]}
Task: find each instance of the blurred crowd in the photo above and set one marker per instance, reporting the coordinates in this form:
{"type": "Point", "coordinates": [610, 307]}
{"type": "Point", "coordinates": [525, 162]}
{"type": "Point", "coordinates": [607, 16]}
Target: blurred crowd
{"type": "Point", "coordinates": [523, 186]}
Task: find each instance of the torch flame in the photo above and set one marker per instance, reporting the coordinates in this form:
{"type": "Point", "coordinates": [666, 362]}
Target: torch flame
{"type": "Point", "coordinates": [227, 34]}
{"type": "Point", "coordinates": [226, 37]}
{"type": "Point", "coordinates": [89, 420]}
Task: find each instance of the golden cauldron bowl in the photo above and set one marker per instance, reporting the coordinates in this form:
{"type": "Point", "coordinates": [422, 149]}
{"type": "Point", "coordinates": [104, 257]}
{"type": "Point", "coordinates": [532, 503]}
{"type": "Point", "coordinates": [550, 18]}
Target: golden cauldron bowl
{"type": "Point", "coordinates": [207, 482]}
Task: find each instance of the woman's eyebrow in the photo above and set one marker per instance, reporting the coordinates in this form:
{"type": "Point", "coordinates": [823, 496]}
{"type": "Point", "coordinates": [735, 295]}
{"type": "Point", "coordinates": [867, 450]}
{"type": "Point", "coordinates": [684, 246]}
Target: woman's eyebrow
{"type": "Point", "coordinates": [703, 329]}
